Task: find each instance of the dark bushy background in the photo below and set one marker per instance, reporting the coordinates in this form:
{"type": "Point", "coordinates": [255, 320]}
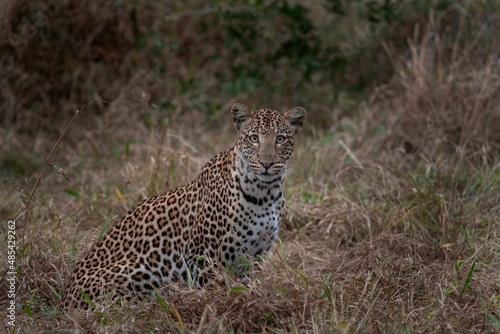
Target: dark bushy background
{"type": "Point", "coordinates": [161, 60]}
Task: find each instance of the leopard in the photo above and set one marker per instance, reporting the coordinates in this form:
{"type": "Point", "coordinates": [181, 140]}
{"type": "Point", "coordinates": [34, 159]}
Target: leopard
{"type": "Point", "coordinates": [228, 215]}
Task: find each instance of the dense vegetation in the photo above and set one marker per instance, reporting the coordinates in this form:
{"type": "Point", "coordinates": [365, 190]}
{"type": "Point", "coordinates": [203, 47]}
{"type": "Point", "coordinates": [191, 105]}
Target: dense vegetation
{"type": "Point", "coordinates": [392, 220]}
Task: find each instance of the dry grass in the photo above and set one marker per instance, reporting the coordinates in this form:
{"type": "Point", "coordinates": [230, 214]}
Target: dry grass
{"type": "Point", "coordinates": [447, 97]}
{"type": "Point", "coordinates": [392, 223]}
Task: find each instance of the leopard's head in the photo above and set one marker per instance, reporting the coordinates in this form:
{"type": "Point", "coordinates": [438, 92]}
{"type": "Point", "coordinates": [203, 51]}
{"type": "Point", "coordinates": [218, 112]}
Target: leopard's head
{"type": "Point", "coordinates": [266, 139]}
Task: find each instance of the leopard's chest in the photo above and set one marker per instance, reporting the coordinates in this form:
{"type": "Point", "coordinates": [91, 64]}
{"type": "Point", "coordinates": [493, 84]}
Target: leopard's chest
{"type": "Point", "coordinates": [255, 226]}
{"type": "Point", "coordinates": [263, 229]}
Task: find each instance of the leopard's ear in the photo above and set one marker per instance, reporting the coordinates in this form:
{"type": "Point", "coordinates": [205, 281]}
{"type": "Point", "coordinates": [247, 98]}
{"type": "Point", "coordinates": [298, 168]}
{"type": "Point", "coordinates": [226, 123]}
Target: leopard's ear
{"type": "Point", "coordinates": [294, 118]}
{"type": "Point", "coordinates": [241, 115]}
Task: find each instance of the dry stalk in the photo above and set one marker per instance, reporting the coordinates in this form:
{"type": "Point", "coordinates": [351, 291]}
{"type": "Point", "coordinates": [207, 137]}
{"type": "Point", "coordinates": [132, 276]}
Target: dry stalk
{"type": "Point", "coordinates": [47, 160]}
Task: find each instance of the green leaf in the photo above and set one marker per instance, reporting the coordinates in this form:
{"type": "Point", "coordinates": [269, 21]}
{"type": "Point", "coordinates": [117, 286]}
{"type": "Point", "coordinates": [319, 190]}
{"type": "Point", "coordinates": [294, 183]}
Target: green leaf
{"type": "Point", "coordinates": [301, 275]}
{"type": "Point", "coordinates": [26, 304]}
{"type": "Point", "coordinates": [493, 319]}
{"type": "Point", "coordinates": [86, 297]}
{"type": "Point", "coordinates": [105, 225]}
{"type": "Point", "coordinates": [72, 192]}
{"type": "Point", "coordinates": [127, 148]}
{"type": "Point", "coordinates": [467, 280]}
{"type": "Point", "coordinates": [238, 289]}
{"type": "Point", "coordinates": [458, 265]}
{"type": "Point", "coordinates": [163, 303]}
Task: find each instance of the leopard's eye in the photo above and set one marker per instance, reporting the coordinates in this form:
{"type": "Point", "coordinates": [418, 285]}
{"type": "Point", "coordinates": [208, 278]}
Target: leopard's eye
{"type": "Point", "coordinates": [280, 139]}
{"type": "Point", "coordinates": [254, 138]}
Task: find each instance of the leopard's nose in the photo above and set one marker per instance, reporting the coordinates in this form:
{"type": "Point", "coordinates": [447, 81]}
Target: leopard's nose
{"type": "Point", "coordinates": [266, 164]}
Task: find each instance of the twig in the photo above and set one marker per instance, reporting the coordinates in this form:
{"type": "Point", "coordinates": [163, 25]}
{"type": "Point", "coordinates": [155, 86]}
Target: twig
{"type": "Point", "coordinates": [47, 159]}
{"type": "Point", "coordinates": [351, 154]}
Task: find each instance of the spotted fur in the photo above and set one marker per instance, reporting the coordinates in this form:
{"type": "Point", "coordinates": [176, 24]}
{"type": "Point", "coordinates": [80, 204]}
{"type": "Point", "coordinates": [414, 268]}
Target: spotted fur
{"type": "Point", "coordinates": [228, 215]}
